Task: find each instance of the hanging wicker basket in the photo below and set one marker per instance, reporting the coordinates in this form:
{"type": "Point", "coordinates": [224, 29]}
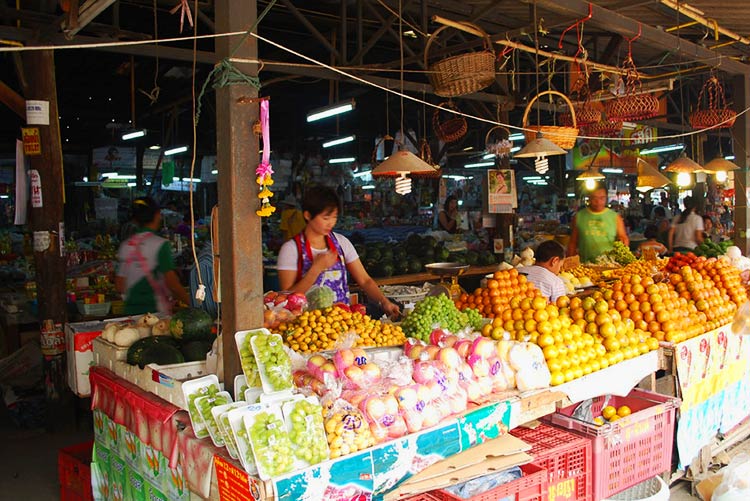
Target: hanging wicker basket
{"type": "Point", "coordinates": [586, 114]}
{"type": "Point", "coordinates": [498, 146]}
{"type": "Point", "coordinates": [603, 128]}
{"type": "Point", "coordinates": [632, 105]}
{"type": "Point", "coordinates": [452, 129]}
{"type": "Point", "coordinates": [425, 153]}
{"type": "Point", "coordinates": [464, 73]}
{"type": "Point", "coordinates": [716, 115]}
{"type": "Point", "coordinates": [564, 137]}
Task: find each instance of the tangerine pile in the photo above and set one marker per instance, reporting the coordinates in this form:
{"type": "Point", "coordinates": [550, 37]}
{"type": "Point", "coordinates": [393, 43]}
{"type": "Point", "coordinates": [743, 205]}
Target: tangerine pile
{"type": "Point", "coordinates": [640, 267]}
{"type": "Point", "coordinates": [491, 300]}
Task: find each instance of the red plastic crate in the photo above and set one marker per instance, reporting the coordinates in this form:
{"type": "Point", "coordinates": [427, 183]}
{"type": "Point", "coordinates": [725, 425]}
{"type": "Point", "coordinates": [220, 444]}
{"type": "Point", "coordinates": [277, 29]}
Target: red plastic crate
{"type": "Point", "coordinates": [532, 486]}
{"type": "Point", "coordinates": [632, 449]}
{"type": "Point", "coordinates": [567, 459]}
{"type": "Point", "coordinates": [74, 472]}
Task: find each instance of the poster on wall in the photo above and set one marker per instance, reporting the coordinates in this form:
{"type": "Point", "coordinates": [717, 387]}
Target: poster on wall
{"type": "Point", "coordinates": [501, 191]}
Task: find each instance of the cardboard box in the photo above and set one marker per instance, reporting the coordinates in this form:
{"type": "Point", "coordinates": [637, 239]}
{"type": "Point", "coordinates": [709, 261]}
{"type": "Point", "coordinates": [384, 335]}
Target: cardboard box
{"type": "Point", "coordinates": [79, 339]}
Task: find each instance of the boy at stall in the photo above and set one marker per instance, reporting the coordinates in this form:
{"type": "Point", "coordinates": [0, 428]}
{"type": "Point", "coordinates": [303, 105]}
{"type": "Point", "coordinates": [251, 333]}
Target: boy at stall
{"type": "Point", "coordinates": [651, 245]}
{"type": "Point", "coordinates": [544, 273]}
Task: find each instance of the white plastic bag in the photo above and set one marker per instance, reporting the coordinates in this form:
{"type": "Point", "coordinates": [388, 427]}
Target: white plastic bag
{"type": "Point", "coordinates": [735, 486]}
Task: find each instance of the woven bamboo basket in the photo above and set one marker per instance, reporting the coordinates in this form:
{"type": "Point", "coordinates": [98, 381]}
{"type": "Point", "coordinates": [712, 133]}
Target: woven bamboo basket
{"type": "Point", "coordinates": [716, 115]}
{"type": "Point", "coordinates": [452, 129]}
{"type": "Point", "coordinates": [586, 114]}
{"type": "Point", "coordinates": [498, 147]}
{"type": "Point", "coordinates": [603, 128]}
{"type": "Point", "coordinates": [564, 137]}
{"type": "Point", "coordinates": [632, 107]}
{"type": "Point", "coordinates": [464, 73]}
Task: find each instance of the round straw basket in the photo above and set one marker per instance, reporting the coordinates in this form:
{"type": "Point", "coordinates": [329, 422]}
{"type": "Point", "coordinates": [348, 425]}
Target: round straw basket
{"type": "Point", "coordinates": [462, 74]}
{"type": "Point", "coordinates": [452, 129]}
{"type": "Point", "coordinates": [564, 137]}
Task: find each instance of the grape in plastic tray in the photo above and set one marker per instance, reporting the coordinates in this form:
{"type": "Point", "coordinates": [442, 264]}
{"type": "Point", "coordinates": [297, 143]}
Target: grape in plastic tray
{"type": "Point", "coordinates": [204, 405]}
{"type": "Point", "coordinates": [304, 422]}
{"type": "Point", "coordinates": [220, 414]}
{"type": "Point", "coordinates": [247, 359]}
{"type": "Point", "coordinates": [236, 418]}
{"type": "Point", "coordinates": [193, 389]}
{"type": "Point", "coordinates": [274, 364]}
{"type": "Point", "coordinates": [240, 386]}
{"type": "Point", "coordinates": [252, 395]}
{"type": "Point", "coordinates": [272, 449]}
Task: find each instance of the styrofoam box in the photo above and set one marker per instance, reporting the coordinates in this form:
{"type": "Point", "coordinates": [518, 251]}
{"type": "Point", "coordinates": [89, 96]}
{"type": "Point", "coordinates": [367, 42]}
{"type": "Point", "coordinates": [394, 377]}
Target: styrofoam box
{"type": "Point", "coordinates": [164, 381]}
{"type": "Point", "coordinates": [79, 337]}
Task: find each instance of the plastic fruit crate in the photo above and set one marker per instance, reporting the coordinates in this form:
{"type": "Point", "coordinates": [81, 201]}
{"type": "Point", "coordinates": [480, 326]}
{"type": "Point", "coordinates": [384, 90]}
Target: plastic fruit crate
{"type": "Point", "coordinates": [74, 472]}
{"type": "Point", "coordinates": [567, 459]}
{"type": "Point", "coordinates": [631, 449]}
{"type": "Point", "coordinates": [93, 309]}
{"type": "Point", "coordinates": [532, 486]}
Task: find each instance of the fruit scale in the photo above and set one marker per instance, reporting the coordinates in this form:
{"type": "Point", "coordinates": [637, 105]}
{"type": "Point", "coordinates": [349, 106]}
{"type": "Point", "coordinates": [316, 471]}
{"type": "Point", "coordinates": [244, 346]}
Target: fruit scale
{"type": "Point", "coordinates": [453, 270]}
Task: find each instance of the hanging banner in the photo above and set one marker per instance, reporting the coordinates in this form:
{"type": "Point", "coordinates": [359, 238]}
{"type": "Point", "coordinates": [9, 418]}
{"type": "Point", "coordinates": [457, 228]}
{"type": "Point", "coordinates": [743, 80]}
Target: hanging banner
{"type": "Point", "coordinates": [501, 191]}
{"type": "Point", "coordinates": [22, 192]}
{"type": "Point", "coordinates": [36, 189]}
{"type": "Point", "coordinates": [32, 141]}
{"type": "Point", "coordinates": [37, 112]}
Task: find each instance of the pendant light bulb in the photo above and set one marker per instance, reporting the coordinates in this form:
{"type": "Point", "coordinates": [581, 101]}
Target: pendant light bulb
{"type": "Point", "coordinates": [403, 184]}
{"type": "Point", "coordinates": [590, 184]}
{"type": "Point", "coordinates": [683, 179]}
{"type": "Point", "coordinates": [541, 165]}
{"type": "Point", "coordinates": [721, 176]}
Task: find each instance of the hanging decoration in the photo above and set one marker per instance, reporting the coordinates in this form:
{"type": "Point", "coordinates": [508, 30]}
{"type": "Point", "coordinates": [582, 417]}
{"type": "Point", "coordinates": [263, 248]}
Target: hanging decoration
{"type": "Point", "coordinates": [425, 153]}
{"type": "Point", "coordinates": [632, 104]}
{"type": "Point", "coordinates": [464, 73]}
{"type": "Point", "coordinates": [185, 13]}
{"type": "Point", "coordinates": [585, 112]}
{"type": "Point", "coordinates": [264, 171]}
{"type": "Point", "coordinates": [498, 146]}
{"type": "Point", "coordinates": [716, 115]}
{"type": "Point", "coordinates": [452, 129]}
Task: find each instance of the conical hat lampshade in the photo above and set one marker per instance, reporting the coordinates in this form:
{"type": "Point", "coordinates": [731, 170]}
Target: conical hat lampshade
{"type": "Point", "coordinates": [720, 164]}
{"type": "Point", "coordinates": [684, 164]}
{"type": "Point", "coordinates": [403, 162]}
{"type": "Point", "coordinates": [649, 178]}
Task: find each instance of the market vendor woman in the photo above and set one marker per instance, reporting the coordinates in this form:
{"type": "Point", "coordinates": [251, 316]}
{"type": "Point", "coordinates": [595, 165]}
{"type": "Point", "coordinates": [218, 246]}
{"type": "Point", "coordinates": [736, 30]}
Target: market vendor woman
{"type": "Point", "coordinates": [595, 228]}
{"type": "Point", "coordinates": [146, 273]}
{"type": "Point", "coordinates": [318, 256]}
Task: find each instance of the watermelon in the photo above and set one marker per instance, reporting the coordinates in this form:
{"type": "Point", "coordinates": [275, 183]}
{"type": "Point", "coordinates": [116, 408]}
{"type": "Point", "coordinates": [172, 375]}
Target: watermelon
{"type": "Point", "coordinates": [161, 354]}
{"type": "Point", "coordinates": [195, 350]}
{"type": "Point", "coordinates": [191, 324]}
{"type": "Point", "coordinates": [137, 349]}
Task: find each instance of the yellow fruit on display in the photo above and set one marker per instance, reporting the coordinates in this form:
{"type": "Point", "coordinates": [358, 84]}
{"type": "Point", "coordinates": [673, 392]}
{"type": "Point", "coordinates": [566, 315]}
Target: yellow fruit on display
{"type": "Point", "coordinates": [608, 412]}
{"type": "Point", "coordinates": [623, 411]}
{"type": "Point", "coordinates": [598, 421]}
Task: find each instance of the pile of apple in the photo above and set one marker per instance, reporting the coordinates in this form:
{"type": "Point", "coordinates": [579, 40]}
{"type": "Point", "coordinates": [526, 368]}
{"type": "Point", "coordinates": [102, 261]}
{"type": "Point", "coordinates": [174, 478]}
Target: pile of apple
{"type": "Point", "coordinates": [281, 307]}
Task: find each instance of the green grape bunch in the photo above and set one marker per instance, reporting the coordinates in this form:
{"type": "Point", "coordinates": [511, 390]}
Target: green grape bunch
{"type": "Point", "coordinates": [621, 253]}
{"type": "Point", "coordinates": [229, 441]}
{"type": "Point", "coordinates": [247, 361]}
{"type": "Point", "coordinates": [273, 361]}
{"type": "Point", "coordinates": [271, 444]}
{"type": "Point", "coordinates": [204, 406]}
{"type": "Point", "coordinates": [437, 311]}
{"type": "Point", "coordinates": [196, 417]}
{"type": "Point", "coordinates": [307, 432]}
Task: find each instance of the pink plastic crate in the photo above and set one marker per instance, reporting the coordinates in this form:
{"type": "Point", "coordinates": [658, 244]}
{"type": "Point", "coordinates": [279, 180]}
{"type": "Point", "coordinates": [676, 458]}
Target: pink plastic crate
{"type": "Point", "coordinates": [532, 486]}
{"type": "Point", "coordinates": [632, 449]}
{"type": "Point", "coordinates": [567, 458]}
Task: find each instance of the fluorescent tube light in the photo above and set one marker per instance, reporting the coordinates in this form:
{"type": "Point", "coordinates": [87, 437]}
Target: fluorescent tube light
{"type": "Point", "coordinates": [479, 164]}
{"type": "Point", "coordinates": [571, 195]}
{"type": "Point", "coordinates": [195, 179]}
{"type": "Point", "coordinates": [124, 176]}
{"type": "Point", "coordinates": [108, 174]}
{"type": "Point", "coordinates": [133, 135]}
{"type": "Point", "coordinates": [488, 156]}
{"type": "Point", "coordinates": [215, 171]}
{"type": "Point", "coordinates": [662, 149]}
{"type": "Point", "coordinates": [4, 196]}
{"type": "Point", "coordinates": [336, 142]}
{"type": "Point", "coordinates": [611, 170]}
{"type": "Point", "coordinates": [344, 160]}
{"type": "Point", "coordinates": [532, 178]}
{"type": "Point", "coordinates": [132, 185]}
{"type": "Point", "coordinates": [515, 149]}
{"type": "Point", "coordinates": [457, 177]}
{"type": "Point", "coordinates": [363, 173]}
{"type": "Point", "coordinates": [330, 111]}
{"type": "Point", "coordinates": [729, 157]}
{"type": "Point", "coordinates": [154, 147]}
{"type": "Point", "coordinates": [174, 151]}
{"type": "Point", "coordinates": [468, 148]}
{"type": "Point", "coordinates": [517, 136]}
{"type": "Point", "coordinates": [368, 187]}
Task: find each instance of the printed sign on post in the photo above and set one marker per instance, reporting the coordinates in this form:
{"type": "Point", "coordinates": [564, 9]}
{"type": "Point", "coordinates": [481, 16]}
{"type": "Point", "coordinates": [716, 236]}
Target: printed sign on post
{"type": "Point", "coordinates": [36, 189]}
{"type": "Point", "coordinates": [32, 142]}
{"type": "Point", "coordinates": [37, 112]}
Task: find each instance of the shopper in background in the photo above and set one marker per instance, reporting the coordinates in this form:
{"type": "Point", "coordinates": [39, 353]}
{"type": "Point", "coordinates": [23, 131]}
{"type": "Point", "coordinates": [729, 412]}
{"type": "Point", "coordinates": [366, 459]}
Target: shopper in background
{"type": "Point", "coordinates": [292, 220]}
{"type": "Point", "coordinates": [662, 224]}
{"type": "Point", "coordinates": [146, 272]}
{"type": "Point", "coordinates": [448, 217]}
{"type": "Point", "coordinates": [651, 242]}
{"type": "Point", "coordinates": [595, 228]}
{"type": "Point", "coordinates": [318, 256]}
{"type": "Point", "coordinates": [544, 273]}
{"type": "Point", "coordinates": [686, 232]}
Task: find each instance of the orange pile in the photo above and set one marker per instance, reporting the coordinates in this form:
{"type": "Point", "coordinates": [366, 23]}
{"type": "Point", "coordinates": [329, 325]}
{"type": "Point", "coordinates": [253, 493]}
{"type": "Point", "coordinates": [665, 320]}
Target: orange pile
{"type": "Point", "coordinates": [490, 301]}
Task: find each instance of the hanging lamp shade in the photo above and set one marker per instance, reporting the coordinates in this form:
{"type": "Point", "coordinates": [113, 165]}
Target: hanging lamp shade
{"type": "Point", "coordinates": [684, 165]}
{"type": "Point", "coordinates": [540, 147]}
{"type": "Point", "coordinates": [403, 162]}
{"type": "Point", "coordinates": [592, 174]}
{"type": "Point", "coordinates": [720, 164]}
{"type": "Point", "coordinates": [649, 177]}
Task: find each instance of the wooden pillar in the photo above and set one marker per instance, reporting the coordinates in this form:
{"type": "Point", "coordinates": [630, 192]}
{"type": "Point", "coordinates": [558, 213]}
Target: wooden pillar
{"type": "Point", "coordinates": [741, 133]}
{"type": "Point", "coordinates": [237, 158]}
{"type": "Point", "coordinates": [47, 220]}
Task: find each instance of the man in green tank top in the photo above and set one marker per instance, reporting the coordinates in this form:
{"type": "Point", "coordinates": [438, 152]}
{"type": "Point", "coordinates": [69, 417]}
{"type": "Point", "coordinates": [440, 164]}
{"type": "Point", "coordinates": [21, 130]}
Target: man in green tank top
{"type": "Point", "coordinates": [595, 228]}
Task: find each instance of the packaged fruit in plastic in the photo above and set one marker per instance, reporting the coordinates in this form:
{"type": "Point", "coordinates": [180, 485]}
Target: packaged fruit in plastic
{"type": "Point", "coordinates": [274, 364]}
{"type": "Point", "coordinates": [240, 385]}
{"type": "Point", "coordinates": [347, 430]}
{"type": "Point", "coordinates": [270, 442]}
{"type": "Point", "coordinates": [245, 348]}
{"type": "Point", "coordinates": [204, 405]}
{"type": "Point", "coordinates": [304, 421]}
{"type": "Point", "coordinates": [236, 420]}
{"type": "Point", "coordinates": [220, 414]}
{"type": "Point", "coordinates": [194, 389]}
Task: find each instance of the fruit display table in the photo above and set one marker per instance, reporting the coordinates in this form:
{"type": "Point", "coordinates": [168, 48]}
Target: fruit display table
{"type": "Point", "coordinates": [416, 278]}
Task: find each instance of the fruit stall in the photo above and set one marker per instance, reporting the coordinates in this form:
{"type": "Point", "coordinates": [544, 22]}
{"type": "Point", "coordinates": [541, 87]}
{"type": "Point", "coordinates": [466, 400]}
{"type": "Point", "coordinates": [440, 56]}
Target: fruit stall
{"type": "Point", "coordinates": [334, 404]}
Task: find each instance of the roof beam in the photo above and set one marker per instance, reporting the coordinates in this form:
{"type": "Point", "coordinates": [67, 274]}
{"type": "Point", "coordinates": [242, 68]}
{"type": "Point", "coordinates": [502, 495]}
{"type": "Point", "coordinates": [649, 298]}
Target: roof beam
{"type": "Point", "coordinates": [653, 37]}
{"type": "Point", "coordinates": [86, 13]}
